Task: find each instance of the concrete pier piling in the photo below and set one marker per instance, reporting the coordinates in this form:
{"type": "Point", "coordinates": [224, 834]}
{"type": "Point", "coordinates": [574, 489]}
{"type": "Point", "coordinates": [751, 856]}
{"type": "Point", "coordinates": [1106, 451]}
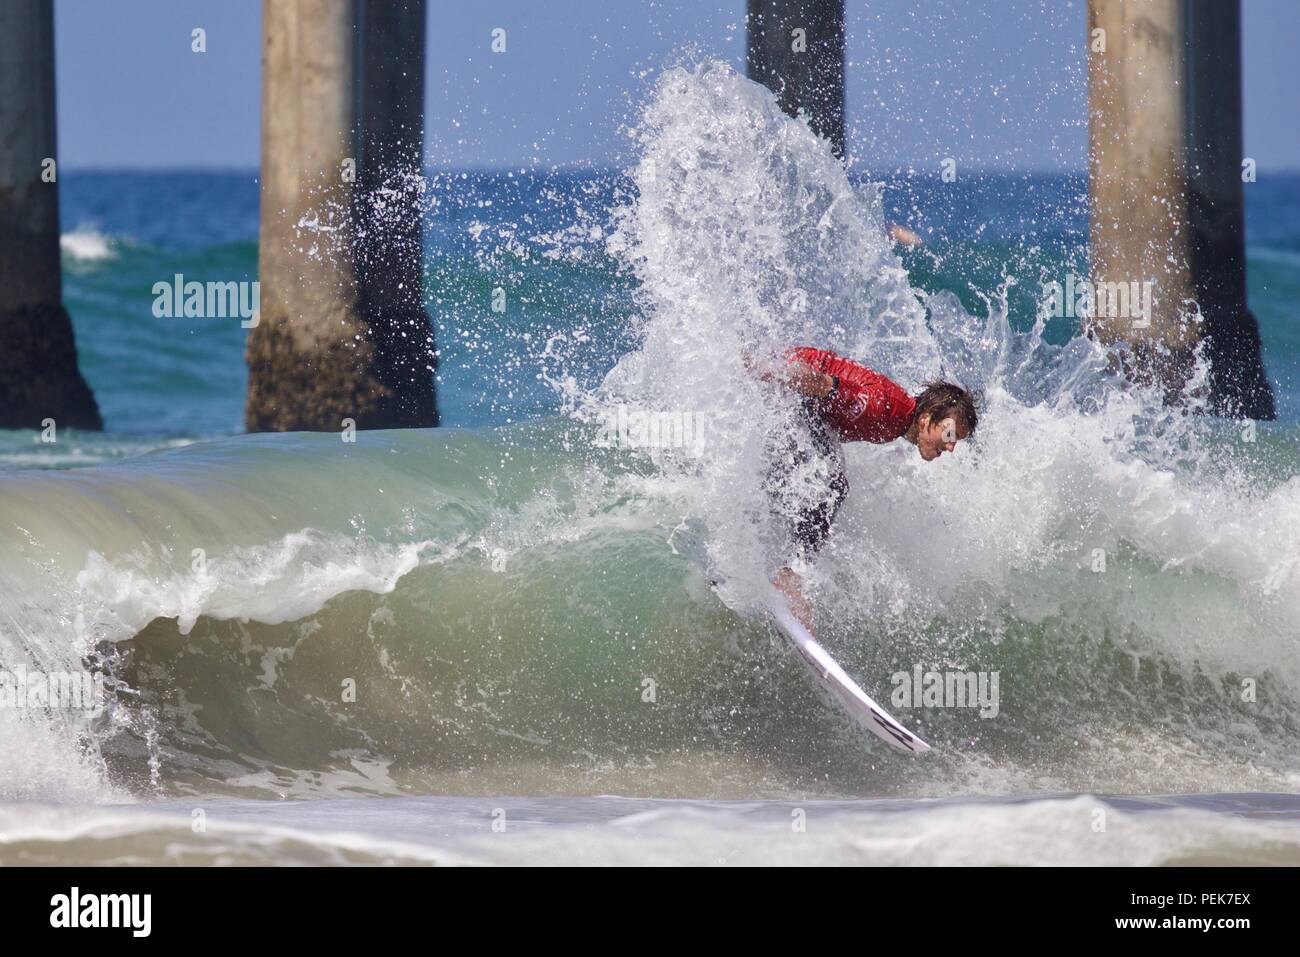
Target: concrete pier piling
{"type": "Point", "coordinates": [796, 49]}
{"type": "Point", "coordinates": [1215, 157]}
{"type": "Point", "coordinates": [39, 377]}
{"type": "Point", "coordinates": [342, 333]}
{"type": "Point", "coordinates": [1164, 103]}
{"type": "Point", "coordinates": [390, 200]}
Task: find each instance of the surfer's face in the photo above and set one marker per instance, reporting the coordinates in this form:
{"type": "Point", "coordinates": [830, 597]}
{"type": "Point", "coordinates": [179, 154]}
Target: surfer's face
{"type": "Point", "coordinates": [934, 438]}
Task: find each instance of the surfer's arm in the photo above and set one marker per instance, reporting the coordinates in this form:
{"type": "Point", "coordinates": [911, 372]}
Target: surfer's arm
{"type": "Point", "coordinates": [797, 376]}
{"type": "Point", "coordinates": [804, 379]}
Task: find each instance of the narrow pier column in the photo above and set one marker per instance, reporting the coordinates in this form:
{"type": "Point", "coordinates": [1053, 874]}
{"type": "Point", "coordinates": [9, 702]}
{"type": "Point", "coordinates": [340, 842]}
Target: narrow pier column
{"type": "Point", "coordinates": [329, 345]}
{"type": "Point", "coordinates": [1165, 196]}
{"type": "Point", "coordinates": [1215, 155]}
{"type": "Point", "coordinates": [796, 49]}
{"type": "Point", "coordinates": [390, 202]}
{"type": "Point", "coordinates": [39, 378]}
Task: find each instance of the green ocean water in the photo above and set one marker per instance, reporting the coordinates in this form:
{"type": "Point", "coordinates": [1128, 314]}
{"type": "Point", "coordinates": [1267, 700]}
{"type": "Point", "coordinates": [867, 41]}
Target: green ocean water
{"type": "Point", "coordinates": [505, 613]}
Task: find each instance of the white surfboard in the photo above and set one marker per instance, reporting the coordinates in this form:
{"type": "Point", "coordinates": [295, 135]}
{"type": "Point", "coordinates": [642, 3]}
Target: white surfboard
{"type": "Point", "coordinates": [833, 678]}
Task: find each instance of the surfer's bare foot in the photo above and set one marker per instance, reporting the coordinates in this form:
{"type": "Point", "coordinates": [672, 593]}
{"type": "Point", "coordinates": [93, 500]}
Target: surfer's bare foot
{"type": "Point", "coordinates": [791, 586]}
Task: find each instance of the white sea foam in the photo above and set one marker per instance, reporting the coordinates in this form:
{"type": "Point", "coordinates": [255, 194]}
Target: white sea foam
{"type": "Point", "coordinates": [1080, 831]}
{"type": "Point", "coordinates": [746, 236]}
{"type": "Point", "coordinates": [87, 245]}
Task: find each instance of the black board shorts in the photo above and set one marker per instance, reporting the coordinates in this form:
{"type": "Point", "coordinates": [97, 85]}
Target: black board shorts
{"type": "Point", "coordinates": [810, 457]}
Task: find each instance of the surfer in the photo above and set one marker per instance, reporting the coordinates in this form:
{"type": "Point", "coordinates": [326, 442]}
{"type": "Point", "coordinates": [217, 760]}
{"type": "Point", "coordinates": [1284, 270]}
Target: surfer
{"type": "Point", "coordinates": [844, 401]}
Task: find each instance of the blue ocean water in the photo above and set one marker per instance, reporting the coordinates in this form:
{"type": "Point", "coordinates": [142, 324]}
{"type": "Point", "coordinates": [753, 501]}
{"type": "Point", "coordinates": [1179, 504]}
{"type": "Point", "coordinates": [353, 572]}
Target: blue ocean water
{"type": "Point", "coordinates": [166, 378]}
{"type": "Point", "coordinates": [446, 616]}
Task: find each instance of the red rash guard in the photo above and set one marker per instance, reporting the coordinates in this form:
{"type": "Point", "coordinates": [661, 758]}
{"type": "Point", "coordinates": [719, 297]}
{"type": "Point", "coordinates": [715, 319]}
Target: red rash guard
{"type": "Point", "coordinates": [868, 407]}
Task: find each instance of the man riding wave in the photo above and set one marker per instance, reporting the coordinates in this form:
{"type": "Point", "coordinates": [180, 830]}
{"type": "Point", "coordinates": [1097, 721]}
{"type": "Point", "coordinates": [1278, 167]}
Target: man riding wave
{"type": "Point", "coordinates": [844, 401]}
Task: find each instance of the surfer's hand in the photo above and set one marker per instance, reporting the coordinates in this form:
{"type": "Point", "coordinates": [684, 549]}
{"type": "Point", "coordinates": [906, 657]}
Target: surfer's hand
{"type": "Point", "coordinates": [903, 236]}
{"type": "Point", "coordinates": [761, 370]}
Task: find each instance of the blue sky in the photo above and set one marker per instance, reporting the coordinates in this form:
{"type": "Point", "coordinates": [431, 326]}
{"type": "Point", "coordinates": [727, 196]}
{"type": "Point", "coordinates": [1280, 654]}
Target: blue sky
{"type": "Point", "coordinates": [994, 84]}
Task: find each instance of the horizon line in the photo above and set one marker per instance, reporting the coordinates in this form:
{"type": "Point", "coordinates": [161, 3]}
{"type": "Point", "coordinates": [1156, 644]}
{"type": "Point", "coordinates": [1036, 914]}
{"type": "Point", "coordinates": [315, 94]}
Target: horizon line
{"type": "Point", "coordinates": [893, 169]}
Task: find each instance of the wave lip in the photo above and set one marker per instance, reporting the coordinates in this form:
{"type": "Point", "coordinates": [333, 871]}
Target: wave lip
{"type": "Point", "coordinates": [283, 581]}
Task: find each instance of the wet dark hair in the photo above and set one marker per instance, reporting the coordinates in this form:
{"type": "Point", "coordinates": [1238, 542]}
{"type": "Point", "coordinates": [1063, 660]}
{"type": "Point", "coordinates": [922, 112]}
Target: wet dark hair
{"type": "Point", "coordinates": [944, 399]}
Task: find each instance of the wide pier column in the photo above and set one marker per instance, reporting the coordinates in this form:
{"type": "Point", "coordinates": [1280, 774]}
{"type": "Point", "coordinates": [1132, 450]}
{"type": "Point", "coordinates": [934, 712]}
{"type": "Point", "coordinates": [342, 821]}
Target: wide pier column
{"type": "Point", "coordinates": [1164, 103]}
{"type": "Point", "coordinates": [342, 333]}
